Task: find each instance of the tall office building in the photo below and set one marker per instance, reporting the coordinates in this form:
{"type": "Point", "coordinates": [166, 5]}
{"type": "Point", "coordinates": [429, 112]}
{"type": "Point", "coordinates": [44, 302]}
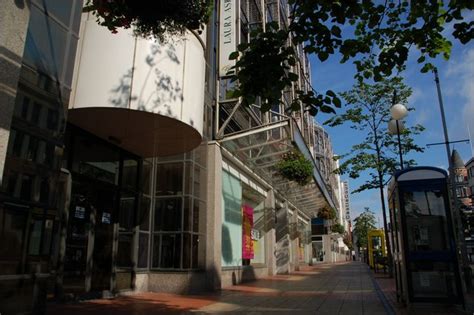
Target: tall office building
{"type": "Point", "coordinates": [126, 166]}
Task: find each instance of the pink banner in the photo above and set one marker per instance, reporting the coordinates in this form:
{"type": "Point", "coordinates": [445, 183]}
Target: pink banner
{"type": "Point", "coordinates": [247, 226]}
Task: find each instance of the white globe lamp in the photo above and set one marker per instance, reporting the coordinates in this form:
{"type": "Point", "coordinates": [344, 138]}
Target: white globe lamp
{"type": "Point", "coordinates": [398, 111]}
{"type": "Point", "coordinates": [392, 126]}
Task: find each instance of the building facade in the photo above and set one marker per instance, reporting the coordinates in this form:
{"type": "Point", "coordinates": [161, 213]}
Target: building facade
{"type": "Point", "coordinates": [470, 177]}
{"type": "Point", "coordinates": [463, 195]}
{"type": "Point", "coordinates": [125, 166]}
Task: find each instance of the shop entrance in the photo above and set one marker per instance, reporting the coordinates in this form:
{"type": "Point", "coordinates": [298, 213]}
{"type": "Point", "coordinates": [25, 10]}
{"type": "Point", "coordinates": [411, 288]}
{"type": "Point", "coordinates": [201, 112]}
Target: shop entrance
{"type": "Point", "coordinates": [102, 213]}
{"type": "Point", "coordinates": [88, 259]}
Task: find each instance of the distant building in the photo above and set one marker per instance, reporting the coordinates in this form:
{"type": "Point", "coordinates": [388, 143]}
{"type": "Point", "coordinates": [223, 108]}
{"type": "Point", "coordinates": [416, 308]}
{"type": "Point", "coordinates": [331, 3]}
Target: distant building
{"type": "Point", "coordinates": [463, 192]}
{"type": "Point", "coordinates": [470, 178]}
{"type": "Point", "coordinates": [464, 196]}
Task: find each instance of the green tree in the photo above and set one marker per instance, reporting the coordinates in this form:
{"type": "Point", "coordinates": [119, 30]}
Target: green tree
{"type": "Point", "coordinates": [377, 36]}
{"type": "Point", "coordinates": [363, 223]}
{"type": "Point", "coordinates": [347, 240]}
{"type": "Point", "coordinates": [368, 111]}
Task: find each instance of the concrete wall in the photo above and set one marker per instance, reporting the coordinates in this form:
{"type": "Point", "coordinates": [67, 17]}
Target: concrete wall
{"type": "Point", "coordinates": [177, 282]}
{"type": "Point", "coordinates": [214, 217]}
{"type": "Point", "coordinates": [233, 276]}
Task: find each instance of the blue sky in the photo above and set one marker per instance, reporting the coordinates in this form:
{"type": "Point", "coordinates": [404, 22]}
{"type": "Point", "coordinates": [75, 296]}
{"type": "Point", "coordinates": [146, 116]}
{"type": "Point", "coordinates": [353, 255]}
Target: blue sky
{"type": "Point", "coordinates": [457, 86]}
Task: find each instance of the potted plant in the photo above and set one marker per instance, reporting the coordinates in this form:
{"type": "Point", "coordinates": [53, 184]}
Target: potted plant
{"type": "Point", "coordinates": [151, 18]}
{"type": "Point", "coordinates": [295, 167]}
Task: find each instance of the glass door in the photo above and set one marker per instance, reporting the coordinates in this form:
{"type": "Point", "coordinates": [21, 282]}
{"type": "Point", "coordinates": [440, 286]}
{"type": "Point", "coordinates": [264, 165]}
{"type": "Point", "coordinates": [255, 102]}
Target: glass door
{"type": "Point", "coordinates": [78, 235]}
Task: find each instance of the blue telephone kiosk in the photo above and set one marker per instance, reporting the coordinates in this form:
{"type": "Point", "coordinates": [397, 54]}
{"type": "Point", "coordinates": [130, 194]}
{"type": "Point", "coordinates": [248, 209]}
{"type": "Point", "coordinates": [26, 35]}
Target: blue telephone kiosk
{"type": "Point", "coordinates": [422, 237]}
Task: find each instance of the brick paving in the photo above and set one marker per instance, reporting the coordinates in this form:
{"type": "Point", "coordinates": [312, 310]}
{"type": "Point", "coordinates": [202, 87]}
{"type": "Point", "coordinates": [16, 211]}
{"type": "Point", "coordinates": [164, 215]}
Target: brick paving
{"type": "Point", "coordinates": [388, 287]}
{"type": "Point", "coordinates": [345, 288]}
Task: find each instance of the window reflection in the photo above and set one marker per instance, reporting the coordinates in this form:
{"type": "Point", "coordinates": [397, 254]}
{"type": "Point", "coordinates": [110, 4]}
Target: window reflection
{"type": "Point", "coordinates": [426, 220]}
{"type": "Point", "coordinates": [419, 203]}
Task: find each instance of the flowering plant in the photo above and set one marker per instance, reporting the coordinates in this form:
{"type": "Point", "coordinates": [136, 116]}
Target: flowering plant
{"type": "Point", "coordinates": [151, 18]}
{"type": "Point", "coordinates": [294, 166]}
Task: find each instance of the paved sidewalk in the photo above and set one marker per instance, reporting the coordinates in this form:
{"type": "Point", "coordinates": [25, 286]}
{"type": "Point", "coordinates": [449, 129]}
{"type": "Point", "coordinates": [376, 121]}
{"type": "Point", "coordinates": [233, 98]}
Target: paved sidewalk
{"type": "Point", "coordinates": [345, 288]}
{"type": "Point", "coordinates": [387, 286]}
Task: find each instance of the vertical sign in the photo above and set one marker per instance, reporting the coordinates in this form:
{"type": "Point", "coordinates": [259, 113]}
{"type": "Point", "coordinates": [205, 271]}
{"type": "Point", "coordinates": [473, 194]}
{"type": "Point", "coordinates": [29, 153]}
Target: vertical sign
{"type": "Point", "coordinates": [227, 35]}
{"type": "Point", "coordinates": [247, 226]}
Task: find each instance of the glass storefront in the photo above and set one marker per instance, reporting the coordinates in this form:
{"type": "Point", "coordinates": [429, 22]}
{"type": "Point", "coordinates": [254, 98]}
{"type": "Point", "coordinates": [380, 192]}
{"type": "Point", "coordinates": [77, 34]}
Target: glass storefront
{"type": "Point", "coordinates": [29, 193]}
{"type": "Point", "coordinates": [179, 212]}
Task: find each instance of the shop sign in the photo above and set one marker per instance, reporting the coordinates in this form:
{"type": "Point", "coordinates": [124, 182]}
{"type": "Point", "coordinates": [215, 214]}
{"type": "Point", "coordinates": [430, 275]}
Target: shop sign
{"type": "Point", "coordinates": [106, 216]}
{"type": "Point", "coordinates": [227, 40]}
{"type": "Point", "coordinates": [80, 212]}
{"type": "Point", "coordinates": [255, 234]}
{"type": "Point", "coordinates": [247, 226]}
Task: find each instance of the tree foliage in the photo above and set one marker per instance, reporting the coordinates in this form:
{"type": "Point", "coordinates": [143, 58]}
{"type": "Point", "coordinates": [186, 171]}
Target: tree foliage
{"type": "Point", "coordinates": [368, 111]}
{"type": "Point", "coordinates": [158, 19]}
{"type": "Point", "coordinates": [377, 36]}
{"type": "Point", "coordinates": [347, 240]}
{"type": "Point", "coordinates": [362, 224]}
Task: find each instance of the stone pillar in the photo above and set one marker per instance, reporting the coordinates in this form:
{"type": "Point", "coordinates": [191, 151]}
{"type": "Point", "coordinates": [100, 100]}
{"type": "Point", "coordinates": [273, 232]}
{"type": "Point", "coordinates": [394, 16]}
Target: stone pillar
{"type": "Point", "coordinates": [282, 251]}
{"type": "Point", "coordinates": [213, 262]}
{"type": "Point", "coordinates": [294, 258]}
{"type": "Point", "coordinates": [270, 233]}
{"type": "Point", "coordinates": [14, 18]}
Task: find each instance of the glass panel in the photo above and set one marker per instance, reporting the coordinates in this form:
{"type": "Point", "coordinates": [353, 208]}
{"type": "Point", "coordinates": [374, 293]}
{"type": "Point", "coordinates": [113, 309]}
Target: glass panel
{"type": "Point", "coordinates": [36, 113]}
{"type": "Point", "coordinates": [198, 255]}
{"type": "Point", "coordinates": [187, 214]}
{"type": "Point", "coordinates": [434, 284]}
{"type": "Point", "coordinates": [52, 121]}
{"type": "Point", "coordinates": [188, 178]}
{"type": "Point", "coordinates": [146, 177]}
{"type": "Point", "coordinates": [144, 214]}
{"type": "Point", "coordinates": [186, 250]}
{"type": "Point", "coordinates": [170, 251]}
{"type": "Point", "coordinates": [169, 179]}
{"type": "Point", "coordinates": [48, 236]}
{"type": "Point", "coordinates": [12, 228]}
{"type": "Point", "coordinates": [231, 221]}
{"type": "Point", "coordinates": [124, 255]}
{"type": "Point", "coordinates": [418, 203]}
{"type": "Point", "coordinates": [129, 175]}
{"type": "Point", "coordinates": [45, 45]}
{"type": "Point", "coordinates": [95, 160]}
{"type": "Point", "coordinates": [35, 237]}
{"type": "Point", "coordinates": [143, 250]}
{"type": "Point", "coordinates": [18, 143]}
{"type": "Point", "coordinates": [155, 263]}
{"type": "Point", "coordinates": [168, 214]}
{"type": "Point", "coordinates": [426, 220]}
{"type": "Point", "coordinates": [44, 190]}
{"type": "Point", "coordinates": [32, 149]}
{"type": "Point", "coordinates": [127, 207]}
{"type": "Point", "coordinates": [198, 181]}
{"type": "Point", "coordinates": [26, 187]}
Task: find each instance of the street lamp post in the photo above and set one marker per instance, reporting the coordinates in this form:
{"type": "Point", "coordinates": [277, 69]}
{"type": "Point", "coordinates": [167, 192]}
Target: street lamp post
{"type": "Point", "coordinates": [395, 126]}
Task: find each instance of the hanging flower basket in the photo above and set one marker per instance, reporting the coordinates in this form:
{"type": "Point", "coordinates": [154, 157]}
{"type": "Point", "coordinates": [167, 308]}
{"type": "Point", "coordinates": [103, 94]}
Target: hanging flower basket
{"type": "Point", "coordinates": [157, 19]}
{"type": "Point", "coordinates": [295, 167]}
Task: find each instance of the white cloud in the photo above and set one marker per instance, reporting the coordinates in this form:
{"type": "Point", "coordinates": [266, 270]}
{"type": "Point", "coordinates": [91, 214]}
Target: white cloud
{"type": "Point", "coordinates": [461, 75]}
